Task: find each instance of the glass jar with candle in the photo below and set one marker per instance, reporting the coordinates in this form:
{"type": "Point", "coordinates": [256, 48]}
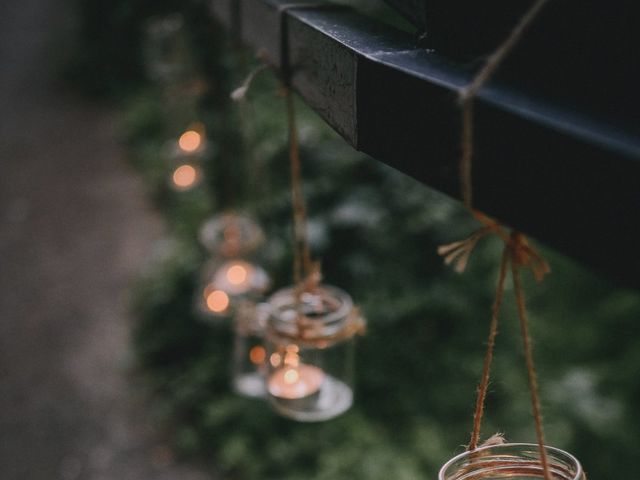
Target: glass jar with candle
{"type": "Point", "coordinates": [515, 461]}
{"type": "Point", "coordinates": [231, 276]}
{"type": "Point", "coordinates": [249, 353]}
{"type": "Point", "coordinates": [310, 347]}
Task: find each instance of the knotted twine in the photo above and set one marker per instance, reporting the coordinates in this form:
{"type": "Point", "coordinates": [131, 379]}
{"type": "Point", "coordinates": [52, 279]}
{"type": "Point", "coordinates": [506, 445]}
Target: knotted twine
{"type": "Point", "coordinates": [517, 253]}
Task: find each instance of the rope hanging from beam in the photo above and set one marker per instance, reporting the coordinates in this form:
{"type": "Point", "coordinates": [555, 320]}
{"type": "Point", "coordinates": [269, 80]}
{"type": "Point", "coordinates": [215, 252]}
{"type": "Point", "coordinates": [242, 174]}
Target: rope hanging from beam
{"type": "Point", "coordinates": [517, 253]}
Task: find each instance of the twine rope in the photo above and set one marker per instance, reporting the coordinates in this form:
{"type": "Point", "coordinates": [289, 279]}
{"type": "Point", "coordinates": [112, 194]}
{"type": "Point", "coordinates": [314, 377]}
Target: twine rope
{"type": "Point", "coordinates": [516, 263]}
{"type": "Point", "coordinates": [517, 252]}
{"type": "Point", "coordinates": [486, 369]}
{"type": "Point", "coordinates": [301, 252]}
{"type": "Point", "coordinates": [467, 96]}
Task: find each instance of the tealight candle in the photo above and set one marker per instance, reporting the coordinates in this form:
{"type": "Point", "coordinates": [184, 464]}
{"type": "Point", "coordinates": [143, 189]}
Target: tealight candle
{"type": "Point", "coordinates": [296, 382]}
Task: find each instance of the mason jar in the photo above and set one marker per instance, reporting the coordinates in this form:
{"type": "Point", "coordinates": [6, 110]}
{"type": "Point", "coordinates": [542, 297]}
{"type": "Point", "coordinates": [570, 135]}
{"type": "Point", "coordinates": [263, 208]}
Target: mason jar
{"type": "Point", "coordinates": [310, 348]}
{"type": "Point", "coordinates": [249, 366]}
{"type": "Point", "coordinates": [515, 461]}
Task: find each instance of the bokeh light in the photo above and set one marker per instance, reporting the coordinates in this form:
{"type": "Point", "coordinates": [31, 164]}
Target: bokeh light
{"type": "Point", "coordinates": [185, 177]}
{"type": "Point", "coordinates": [190, 141]}
{"type": "Point", "coordinates": [237, 274]}
{"type": "Point", "coordinates": [217, 301]}
{"type": "Point", "coordinates": [257, 355]}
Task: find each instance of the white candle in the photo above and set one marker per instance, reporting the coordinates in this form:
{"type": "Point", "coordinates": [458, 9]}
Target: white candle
{"type": "Point", "coordinates": [296, 382]}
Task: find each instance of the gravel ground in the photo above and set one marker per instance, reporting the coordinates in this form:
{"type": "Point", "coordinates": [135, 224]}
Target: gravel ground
{"type": "Point", "coordinates": [75, 230]}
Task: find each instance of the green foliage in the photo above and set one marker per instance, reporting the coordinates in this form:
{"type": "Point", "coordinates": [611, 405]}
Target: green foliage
{"type": "Point", "coordinates": [376, 232]}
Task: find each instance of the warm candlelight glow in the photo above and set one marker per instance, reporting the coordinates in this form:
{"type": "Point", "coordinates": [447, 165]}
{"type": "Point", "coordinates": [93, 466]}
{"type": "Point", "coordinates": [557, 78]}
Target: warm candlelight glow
{"type": "Point", "coordinates": [217, 301]}
{"type": "Point", "coordinates": [295, 383]}
{"type": "Point", "coordinates": [257, 355]}
{"type": "Point", "coordinates": [237, 274]}
{"type": "Point", "coordinates": [190, 141]}
{"type": "Point", "coordinates": [275, 359]}
{"type": "Point", "coordinates": [237, 277]}
{"type": "Point", "coordinates": [185, 176]}
{"type": "Point", "coordinates": [291, 376]}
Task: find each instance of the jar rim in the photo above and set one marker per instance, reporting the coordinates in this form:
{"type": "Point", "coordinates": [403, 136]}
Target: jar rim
{"type": "Point", "coordinates": [249, 235]}
{"type": "Point", "coordinates": [577, 475]}
{"type": "Point", "coordinates": [284, 299]}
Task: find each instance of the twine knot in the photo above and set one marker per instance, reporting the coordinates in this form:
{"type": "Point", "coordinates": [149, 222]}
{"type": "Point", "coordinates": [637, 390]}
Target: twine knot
{"type": "Point", "coordinates": [525, 256]}
{"type": "Point", "coordinates": [522, 254]}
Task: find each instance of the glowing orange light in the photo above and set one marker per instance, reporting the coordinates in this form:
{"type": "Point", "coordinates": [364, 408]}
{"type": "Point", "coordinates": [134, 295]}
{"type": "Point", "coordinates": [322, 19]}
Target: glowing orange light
{"type": "Point", "coordinates": [257, 355]}
{"type": "Point", "coordinates": [291, 359]}
{"type": "Point", "coordinates": [291, 376]}
{"type": "Point", "coordinates": [185, 176]}
{"type": "Point", "coordinates": [274, 359]}
{"type": "Point", "coordinates": [190, 141]}
{"type": "Point", "coordinates": [217, 301]}
{"type": "Point", "coordinates": [237, 275]}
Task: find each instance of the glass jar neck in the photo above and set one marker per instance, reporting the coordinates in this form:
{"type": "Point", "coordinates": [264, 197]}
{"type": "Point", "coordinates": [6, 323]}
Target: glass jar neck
{"type": "Point", "coordinates": [321, 313]}
{"type": "Point", "coordinates": [514, 461]}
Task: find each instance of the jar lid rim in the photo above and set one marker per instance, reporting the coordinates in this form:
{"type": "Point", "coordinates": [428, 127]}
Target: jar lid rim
{"type": "Point", "coordinates": [578, 474]}
{"type": "Point", "coordinates": [286, 297]}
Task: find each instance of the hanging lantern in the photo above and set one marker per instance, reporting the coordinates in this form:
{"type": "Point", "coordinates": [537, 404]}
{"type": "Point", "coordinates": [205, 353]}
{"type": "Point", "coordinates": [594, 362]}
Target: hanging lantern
{"type": "Point", "coordinates": [230, 277]}
{"type": "Point", "coordinates": [249, 366]}
{"type": "Point", "coordinates": [513, 461]}
{"type": "Point", "coordinates": [310, 346]}
{"type": "Point", "coordinates": [231, 235]}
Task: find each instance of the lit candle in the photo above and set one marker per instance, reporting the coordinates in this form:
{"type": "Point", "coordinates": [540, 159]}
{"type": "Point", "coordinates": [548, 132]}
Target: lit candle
{"type": "Point", "coordinates": [235, 277]}
{"type": "Point", "coordinates": [217, 301]}
{"type": "Point", "coordinates": [299, 382]}
{"type": "Point", "coordinates": [185, 177]}
{"type": "Point", "coordinates": [190, 141]}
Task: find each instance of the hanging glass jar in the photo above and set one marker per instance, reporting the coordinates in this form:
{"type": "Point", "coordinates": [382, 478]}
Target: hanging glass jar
{"type": "Point", "coordinates": [310, 347]}
{"type": "Point", "coordinates": [231, 276]}
{"type": "Point", "coordinates": [249, 367]}
{"type": "Point", "coordinates": [514, 461]}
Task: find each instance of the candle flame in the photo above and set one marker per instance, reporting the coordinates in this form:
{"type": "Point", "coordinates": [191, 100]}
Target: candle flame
{"type": "Point", "coordinates": [275, 359]}
{"type": "Point", "coordinates": [291, 359]}
{"type": "Point", "coordinates": [217, 301]}
{"type": "Point", "coordinates": [185, 176]}
{"type": "Point", "coordinates": [237, 275]}
{"type": "Point", "coordinates": [257, 355]}
{"type": "Point", "coordinates": [291, 376]}
{"type": "Point", "coordinates": [190, 141]}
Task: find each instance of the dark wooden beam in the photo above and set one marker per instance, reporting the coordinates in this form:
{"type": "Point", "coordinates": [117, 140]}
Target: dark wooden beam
{"type": "Point", "coordinates": [567, 176]}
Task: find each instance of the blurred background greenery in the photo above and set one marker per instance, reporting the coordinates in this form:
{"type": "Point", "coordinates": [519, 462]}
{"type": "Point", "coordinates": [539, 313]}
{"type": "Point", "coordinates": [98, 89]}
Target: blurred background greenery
{"type": "Point", "coordinates": [376, 232]}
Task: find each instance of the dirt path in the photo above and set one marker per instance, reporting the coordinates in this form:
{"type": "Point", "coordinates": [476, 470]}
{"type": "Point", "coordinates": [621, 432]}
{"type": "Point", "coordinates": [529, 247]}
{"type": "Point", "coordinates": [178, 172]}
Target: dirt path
{"type": "Point", "coordinates": [75, 229]}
